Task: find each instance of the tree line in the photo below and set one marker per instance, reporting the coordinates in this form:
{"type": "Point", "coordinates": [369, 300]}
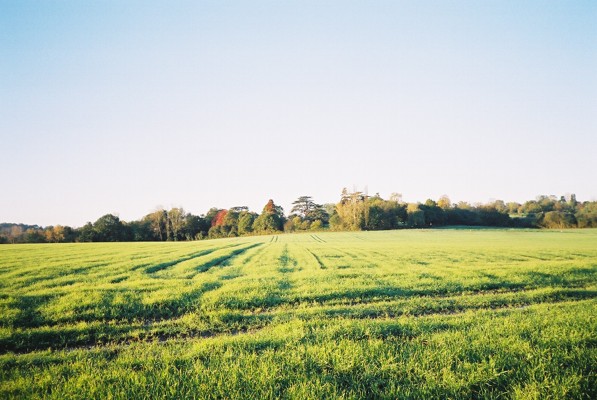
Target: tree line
{"type": "Point", "coordinates": [355, 211]}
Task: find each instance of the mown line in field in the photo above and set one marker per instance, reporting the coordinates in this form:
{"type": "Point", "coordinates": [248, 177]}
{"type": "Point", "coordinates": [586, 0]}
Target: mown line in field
{"type": "Point", "coordinates": [367, 295]}
{"type": "Point", "coordinates": [189, 301]}
{"type": "Point", "coordinates": [219, 261]}
{"type": "Point", "coordinates": [318, 239]}
{"type": "Point", "coordinates": [60, 337]}
{"type": "Point", "coordinates": [30, 278]}
{"type": "Point", "coordinates": [492, 298]}
{"type": "Point", "coordinates": [158, 267]}
{"type": "Point", "coordinates": [67, 264]}
{"type": "Point", "coordinates": [161, 266]}
{"type": "Point", "coordinates": [321, 264]}
{"type": "Point", "coordinates": [110, 302]}
{"type": "Point", "coordinates": [30, 304]}
{"type": "Point", "coordinates": [256, 253]}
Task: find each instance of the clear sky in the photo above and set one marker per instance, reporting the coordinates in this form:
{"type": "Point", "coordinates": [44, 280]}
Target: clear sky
{"type": "Point", "coordinates": [121, 106]}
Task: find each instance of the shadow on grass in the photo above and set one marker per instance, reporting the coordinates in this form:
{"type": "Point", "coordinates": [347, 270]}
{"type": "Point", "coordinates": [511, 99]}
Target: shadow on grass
{"type": "Point", "coordinates": [225, 259]}
{"type": "Point", "coordinates": [29, 314]}
{"type": "Point", "coordinates": [164, 265]}
{"type": "Point", "coordinates": [287, 263]}
{"type": "Point", "coordinates": [572, 278]}
{"type": "Point", "coordinates": [316, 257]}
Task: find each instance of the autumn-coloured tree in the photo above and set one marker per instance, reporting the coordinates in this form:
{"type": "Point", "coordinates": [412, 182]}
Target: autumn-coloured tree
{"type": "Point", "coordinates": [15, 232]}
{"type": "Point", "coordinates": [444, 202]}
{"type": "Point", "coordinates": [218, 220]}
{"type": "Point", "coordinates": [270, 207]}
{"type": "Point", "coordinates": [225, 223]}
{"type": "Point", "coordinates": [55, 234]}
{"type": "Point", "coordinates": [271, 219]}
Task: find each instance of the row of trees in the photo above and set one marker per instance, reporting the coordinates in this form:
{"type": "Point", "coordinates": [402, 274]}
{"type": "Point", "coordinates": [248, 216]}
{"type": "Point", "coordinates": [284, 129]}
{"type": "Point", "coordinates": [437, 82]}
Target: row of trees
{"type": "Point", "coordinates": [161, 225]}
{"type": "Point", "coordinates": [240, 221]}
{"type": "Point", "coordinates": [355, 211]}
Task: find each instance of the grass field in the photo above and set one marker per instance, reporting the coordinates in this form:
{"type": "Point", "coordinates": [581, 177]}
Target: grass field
{"type": "Point", "coordinates": [398, 314]}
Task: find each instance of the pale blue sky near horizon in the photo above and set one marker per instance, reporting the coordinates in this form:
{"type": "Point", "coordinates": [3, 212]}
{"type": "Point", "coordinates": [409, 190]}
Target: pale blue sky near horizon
{"type": "Point", "coordinates": [124, 106]}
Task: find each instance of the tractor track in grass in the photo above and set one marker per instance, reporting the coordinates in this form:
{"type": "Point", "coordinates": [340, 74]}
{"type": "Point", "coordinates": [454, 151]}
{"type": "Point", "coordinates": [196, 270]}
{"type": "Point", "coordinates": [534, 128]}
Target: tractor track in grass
{"type": "Point", "coordinates": [318, 239]}
{"type": "Point", "coordinates": [316, 257]}
{"type": "Point", "coordinates": [161, 266]}
{"type": "Point", "coordinates": [410, 304]}
{"type": "Point", "coordinates": [220, 261]}
{"type": "Point", "coordinates": [149, 336]}
{"type": "Point", "coordinates": [256, 253]}
{"type": "Point", "coordinates": [563, 293]}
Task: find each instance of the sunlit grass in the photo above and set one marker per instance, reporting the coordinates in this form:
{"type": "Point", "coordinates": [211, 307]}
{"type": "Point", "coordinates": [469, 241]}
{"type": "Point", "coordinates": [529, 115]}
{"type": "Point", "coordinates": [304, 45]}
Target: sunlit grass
{"type": "Point", "coordinates": [398, 314]}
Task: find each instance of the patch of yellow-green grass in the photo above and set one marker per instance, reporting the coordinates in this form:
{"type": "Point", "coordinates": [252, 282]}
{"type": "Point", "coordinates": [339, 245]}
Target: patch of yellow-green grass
{"type": "Point", "coordinates": [399, 314]}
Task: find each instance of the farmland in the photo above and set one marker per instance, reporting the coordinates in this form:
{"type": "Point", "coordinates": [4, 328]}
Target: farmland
{"type": "Point", "coordinates": [398, 314]}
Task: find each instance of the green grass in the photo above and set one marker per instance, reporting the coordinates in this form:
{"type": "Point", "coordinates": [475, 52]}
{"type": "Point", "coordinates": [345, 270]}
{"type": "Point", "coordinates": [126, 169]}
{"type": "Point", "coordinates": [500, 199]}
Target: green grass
{"type": "Point", "coordinates": [399, 314]}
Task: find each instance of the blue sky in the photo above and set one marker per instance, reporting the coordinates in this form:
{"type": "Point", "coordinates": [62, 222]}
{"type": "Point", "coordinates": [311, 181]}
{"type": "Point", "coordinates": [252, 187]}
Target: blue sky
{"type": "Point", "coordinates": [121, 107]}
